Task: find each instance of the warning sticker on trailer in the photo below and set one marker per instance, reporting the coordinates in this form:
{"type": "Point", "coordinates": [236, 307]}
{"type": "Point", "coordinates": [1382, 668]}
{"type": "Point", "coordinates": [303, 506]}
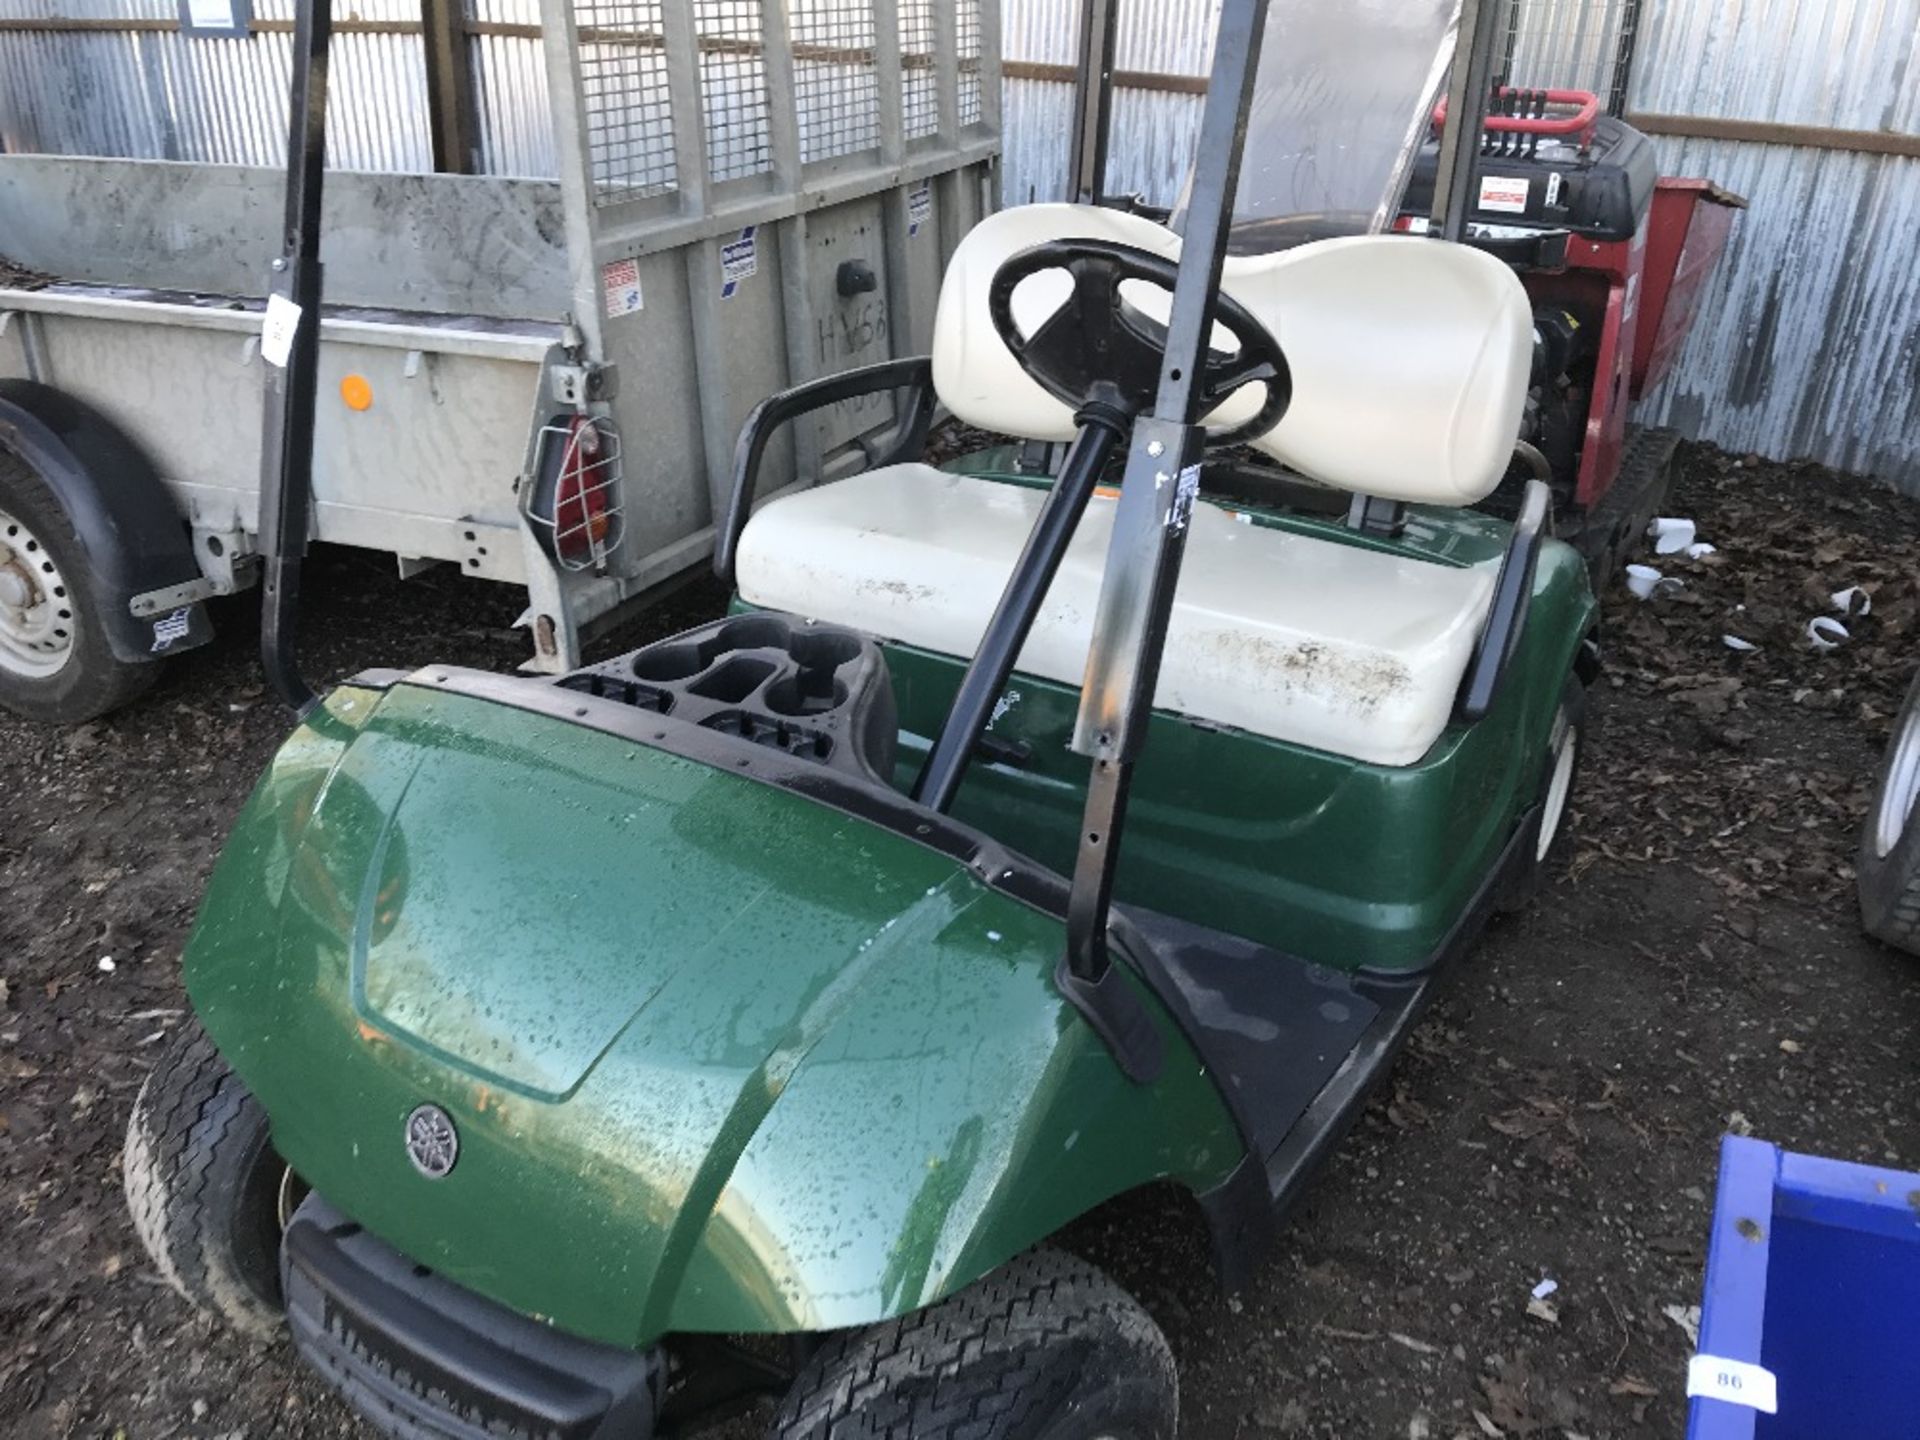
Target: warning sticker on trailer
{"type": "Point", "coordinates": [1505, 194]}
{"type": "Point", "coordinates": [919, 208]}
{"type": "Point", "coordinates": [739, 260]}
{"type": "Point", "coordinates": [621, 281]}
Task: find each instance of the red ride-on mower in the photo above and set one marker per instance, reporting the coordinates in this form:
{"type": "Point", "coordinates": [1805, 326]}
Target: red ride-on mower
{"type": "Point", "coordinates": [1615, 258]}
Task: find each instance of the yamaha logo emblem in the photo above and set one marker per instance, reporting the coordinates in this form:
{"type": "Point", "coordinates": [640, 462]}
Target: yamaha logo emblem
{"type": "Point", "coordinates": [432, 1142]}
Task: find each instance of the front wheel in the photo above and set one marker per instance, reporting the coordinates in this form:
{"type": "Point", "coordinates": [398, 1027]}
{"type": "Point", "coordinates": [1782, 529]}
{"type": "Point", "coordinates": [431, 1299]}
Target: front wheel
{"type": "Point", "coordinates": [205, 1187]}
{"type": "Point", "coordinates": [1045, 1348]}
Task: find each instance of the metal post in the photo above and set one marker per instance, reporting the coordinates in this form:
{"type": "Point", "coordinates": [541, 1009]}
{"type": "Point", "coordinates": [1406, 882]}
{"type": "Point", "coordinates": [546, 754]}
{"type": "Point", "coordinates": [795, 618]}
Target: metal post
{"type": "Point", "coordinates": [286, 454]}
{"type": "Point", "coordinates": [1102, 430]}
{"type": "Point", "coordinates": [1623, 58]}
{"type": "Point", "coordinates": [1093, 100]}
{"type": "Point", "coordinates": [1468, 92]}
{"type": "Point", "coordinates": [1150, 521]}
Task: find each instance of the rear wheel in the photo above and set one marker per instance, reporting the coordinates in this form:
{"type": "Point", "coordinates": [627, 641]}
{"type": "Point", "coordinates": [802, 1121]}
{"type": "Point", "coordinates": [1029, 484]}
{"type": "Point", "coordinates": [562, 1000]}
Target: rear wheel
{"type": "Point", "coordinates": [205, 1187]}
{"type": "Point", "coordinates": [55, 662]}
{"type": "Point", "coordinates": [1045, 1348]}
{"type": "Point", "coordinates": [1888, 865]}
{"type": "Point", "coordinates": [1565, 743]}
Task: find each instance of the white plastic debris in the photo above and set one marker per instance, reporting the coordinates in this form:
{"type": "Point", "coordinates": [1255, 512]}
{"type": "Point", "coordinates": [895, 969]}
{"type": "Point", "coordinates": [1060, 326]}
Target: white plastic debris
{"type": "Point", "coordinates": [1734, 642]}
{"type": "Point", "coordinates": [1826, 633]}
{"type": "Point", "coordinates": [106, 965]}
{"type": "Point", "coordinates": [1852, 601]}
{"type": "Point", "coordinates": [1700, 549]}
{"type": "Point", "coordinates": [1687, 1317]}
{"type": "Point", "coordinates": [1671, 534]}
{"type": "Point", "coordinates": [1645, 582]}
{"type": "Point", "coordinates": [1545, 1288]}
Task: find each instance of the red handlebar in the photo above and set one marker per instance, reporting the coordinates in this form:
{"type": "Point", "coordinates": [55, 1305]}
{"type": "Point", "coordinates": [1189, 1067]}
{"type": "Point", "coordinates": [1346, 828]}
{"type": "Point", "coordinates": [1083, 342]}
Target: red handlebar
{"type": "Point", "coordinates": [1580, 122]}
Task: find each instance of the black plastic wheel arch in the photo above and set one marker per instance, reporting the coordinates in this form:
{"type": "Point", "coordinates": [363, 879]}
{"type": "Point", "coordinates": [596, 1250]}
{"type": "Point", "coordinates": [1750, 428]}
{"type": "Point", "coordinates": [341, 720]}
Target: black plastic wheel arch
{"type": "Point", "coordinates": [133, 537]}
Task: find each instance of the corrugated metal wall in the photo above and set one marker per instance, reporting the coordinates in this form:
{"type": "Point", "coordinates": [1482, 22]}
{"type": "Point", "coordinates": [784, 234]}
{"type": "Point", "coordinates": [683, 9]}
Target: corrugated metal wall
{"type": "Point", "coordinates": [125, 82]}
{"type": "Point", "coordinates": [1808, 342]}
{"type": "Point", "coordinates": [1154, 132]}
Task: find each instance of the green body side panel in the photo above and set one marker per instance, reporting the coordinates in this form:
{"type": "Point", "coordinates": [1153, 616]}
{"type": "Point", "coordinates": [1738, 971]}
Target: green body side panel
{"type": "Point", "coordinates": [721, 1058]}
{"type": "Point", "coordinates": [1354, 866]}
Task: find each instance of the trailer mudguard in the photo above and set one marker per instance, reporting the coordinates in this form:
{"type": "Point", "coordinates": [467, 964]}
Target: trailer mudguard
{"type": "Point", "coordinates": [133, 536]}
{"type": "Point", "coordinates": [719, 1058]}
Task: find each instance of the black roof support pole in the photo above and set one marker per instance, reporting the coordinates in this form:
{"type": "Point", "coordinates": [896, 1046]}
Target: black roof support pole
{"type": "Point", "coordinates": [1162, 480]}
{"type": "Point", "coordinates": [1469, 90]}
{"type": "Point", "coordinates": [1102, 428]}
{"type": "Point", "coordinates": [1093, 100]}
{"type": "Point", "coordinates": [293, 361]}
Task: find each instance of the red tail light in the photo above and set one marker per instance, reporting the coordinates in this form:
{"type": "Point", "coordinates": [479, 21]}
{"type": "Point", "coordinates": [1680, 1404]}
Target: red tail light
{"type": "Point", "coordinates": [576, 499]}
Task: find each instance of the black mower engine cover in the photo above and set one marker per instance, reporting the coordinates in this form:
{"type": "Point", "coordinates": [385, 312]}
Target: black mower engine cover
{"type": "Point", "coordinates": [1602, 192]}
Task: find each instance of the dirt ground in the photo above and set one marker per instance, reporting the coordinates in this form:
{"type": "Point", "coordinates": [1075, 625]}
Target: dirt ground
{"type": "Point", "coordinates": [1695, 968]}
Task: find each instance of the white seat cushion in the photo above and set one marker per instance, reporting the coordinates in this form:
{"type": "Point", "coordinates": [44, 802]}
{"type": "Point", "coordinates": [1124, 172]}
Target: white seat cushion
{"type": "Point", "coordinates": [1328, 645]}
{"type": "Point", "coordinates": [1410, 356]}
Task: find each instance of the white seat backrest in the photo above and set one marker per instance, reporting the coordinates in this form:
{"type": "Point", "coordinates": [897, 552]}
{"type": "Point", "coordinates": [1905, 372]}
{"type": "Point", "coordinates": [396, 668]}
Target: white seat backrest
{"type": "Point", "coordinates": [1410, 356]}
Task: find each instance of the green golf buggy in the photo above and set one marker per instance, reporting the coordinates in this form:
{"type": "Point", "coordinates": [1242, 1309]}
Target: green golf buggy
{"type": "Point", "coordinates": [745, 1015]}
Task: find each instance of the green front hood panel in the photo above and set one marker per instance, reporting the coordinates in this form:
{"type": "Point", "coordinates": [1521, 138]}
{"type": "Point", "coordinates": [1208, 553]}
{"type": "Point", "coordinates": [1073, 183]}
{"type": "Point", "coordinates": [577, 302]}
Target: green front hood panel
{"type": "Point", "coordinates": [721, 1058]}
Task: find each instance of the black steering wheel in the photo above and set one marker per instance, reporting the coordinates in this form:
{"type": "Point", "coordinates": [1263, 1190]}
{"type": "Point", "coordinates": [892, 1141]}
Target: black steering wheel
{"type": "Point", "coordinates": [1098, 343]}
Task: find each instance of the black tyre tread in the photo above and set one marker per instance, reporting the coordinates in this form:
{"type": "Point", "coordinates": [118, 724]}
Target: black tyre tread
{"type": "Point", "coordinates": [1889, 884]}
{"type": "Point", "coordinates": [94, 681]}
{"type": "Point", "coordinates": [192, 1121]}
{"type": "Point", "coordinates": [994, 1362]}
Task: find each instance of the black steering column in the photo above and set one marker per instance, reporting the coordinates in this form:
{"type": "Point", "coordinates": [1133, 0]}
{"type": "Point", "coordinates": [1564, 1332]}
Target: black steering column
{"type": "Point", "coordinates": [1102, 356]}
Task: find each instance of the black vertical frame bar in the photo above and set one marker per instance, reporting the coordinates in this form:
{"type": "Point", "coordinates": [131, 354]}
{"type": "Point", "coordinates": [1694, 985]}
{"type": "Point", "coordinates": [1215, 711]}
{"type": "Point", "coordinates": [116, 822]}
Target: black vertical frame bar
{"type": "Point", "coordinates": [1468, 92]}
{"type": "Point", "coordinates": [452, 125]}
{"type": "Point", "coordinates": [1623, 58]}
{"type": "Point", "coordinates": [286, 454]}
{"type": "Point", "coordinates": [1149, 538]}
{"type": "Point", "coordinates": [1093, 100]}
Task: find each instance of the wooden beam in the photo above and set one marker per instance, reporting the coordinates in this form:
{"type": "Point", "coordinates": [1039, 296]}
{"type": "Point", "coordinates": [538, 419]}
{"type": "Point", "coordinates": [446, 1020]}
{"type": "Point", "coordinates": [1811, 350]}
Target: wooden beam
{"type": "Point", "coordinates": [1123, 79]}
{"type": "Point", "coordinates": [1766, 132]}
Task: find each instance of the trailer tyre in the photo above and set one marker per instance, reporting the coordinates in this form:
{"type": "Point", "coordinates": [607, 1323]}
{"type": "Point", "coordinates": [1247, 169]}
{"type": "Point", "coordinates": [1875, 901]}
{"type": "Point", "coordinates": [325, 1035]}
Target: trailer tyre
{"type": "Point", "coordinates": [1565, 748]}
{"type": "Point", "coordinates": [55, 663]}
{"type": "Point", "coordinates": [205, 1186]}
{"type": "Point", "coordinates": [1045, 1348]}
{"type": "Point", "coordinates": [1888, 865]}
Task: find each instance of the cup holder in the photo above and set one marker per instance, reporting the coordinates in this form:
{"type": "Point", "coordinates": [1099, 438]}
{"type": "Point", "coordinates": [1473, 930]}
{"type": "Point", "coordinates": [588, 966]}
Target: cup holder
{"type": "Point", "coordinates": [733, 679]}
{"type": "Point", "coordinates": [682, 660]}
{"type": "Point", "coordinates": [664, 664]}
{"type": "Point", "coordinates": [810, 692]}
{"type": "Point", "coordinates": [817, 692]}
{"type": "Point", "coordinates": [823, 650]}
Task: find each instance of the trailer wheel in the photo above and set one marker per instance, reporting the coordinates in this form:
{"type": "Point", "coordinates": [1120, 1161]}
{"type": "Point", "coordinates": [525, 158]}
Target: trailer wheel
{"type": "Point", "coordinates": [1562, 768]}
{"type": "Point", "coordinates": [205, 1187]}
{"type": "Point", "coordinates": [55, 663]}
{"type": "Point", "coordinates": [1045, 1348]}
{"type": "Point", "coordinates": [1888, 865]}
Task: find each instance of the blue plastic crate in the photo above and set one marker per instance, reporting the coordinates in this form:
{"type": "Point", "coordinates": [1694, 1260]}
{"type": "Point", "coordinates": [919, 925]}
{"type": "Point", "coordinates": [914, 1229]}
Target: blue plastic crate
{"type": "Point", "coordinates": [1813, 1274]}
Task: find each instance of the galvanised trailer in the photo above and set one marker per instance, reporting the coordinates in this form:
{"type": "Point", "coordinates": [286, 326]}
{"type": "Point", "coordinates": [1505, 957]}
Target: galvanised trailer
{"type": "Point", "coordinates": [537, 380]}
